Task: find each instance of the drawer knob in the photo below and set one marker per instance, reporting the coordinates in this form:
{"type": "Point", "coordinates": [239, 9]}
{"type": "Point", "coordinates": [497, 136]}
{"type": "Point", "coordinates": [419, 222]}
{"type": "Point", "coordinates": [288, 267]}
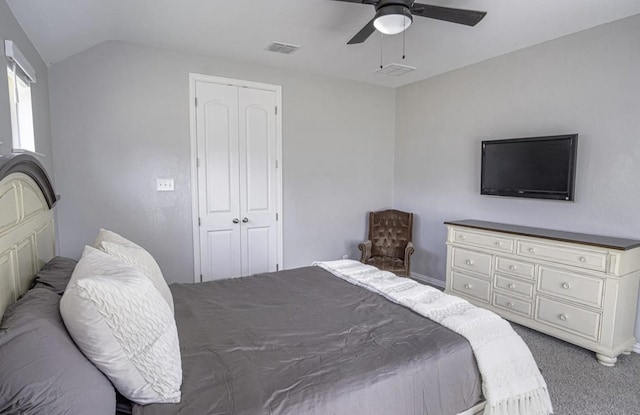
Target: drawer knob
{"type": "Point", "coordinates": [566, 285]}
{"type": "Point", "coordinates": [513, 267]}
{"type": "Point", "coordinates": [498, 243]}
{"type": "Point", "coordinates": [532, 250]}
{"type": "Point", "coordinates": [462, 237]}
{"type": "Point", "coordinates": [510, 305]}
{"type": "Point", "coordinates": [468, 262]}
{"type": "Point", "coordinates": [583, 259]}
{"type": "Point", "coordinates": [512, 286]}
{"type": "Point", "coordinates": [467, 286]}
{"type": "Point", "coordinates": [562, 317]}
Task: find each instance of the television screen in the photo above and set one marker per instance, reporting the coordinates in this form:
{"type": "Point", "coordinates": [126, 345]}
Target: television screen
{"type": "Point", "coordinates": [539, 167]}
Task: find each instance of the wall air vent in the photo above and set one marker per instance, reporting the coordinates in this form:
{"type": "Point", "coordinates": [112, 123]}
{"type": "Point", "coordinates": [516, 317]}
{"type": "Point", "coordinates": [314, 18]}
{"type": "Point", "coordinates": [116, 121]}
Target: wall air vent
{"type": "Point", "coordinates": [280, 47]}
{"type": "Point", "coordinates": [395, 69]}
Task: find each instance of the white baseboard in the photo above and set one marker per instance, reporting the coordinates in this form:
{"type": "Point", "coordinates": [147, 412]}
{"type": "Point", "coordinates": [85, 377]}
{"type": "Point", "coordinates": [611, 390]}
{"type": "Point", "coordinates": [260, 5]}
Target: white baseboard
{"type": "Point", "coordinates": [428, 280]}
{"type": "Point", "coordinates": [636, 348]}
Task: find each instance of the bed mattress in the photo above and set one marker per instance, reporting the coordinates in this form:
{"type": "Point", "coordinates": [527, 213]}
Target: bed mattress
{"type": "Point", "coordinates": [302, 341]}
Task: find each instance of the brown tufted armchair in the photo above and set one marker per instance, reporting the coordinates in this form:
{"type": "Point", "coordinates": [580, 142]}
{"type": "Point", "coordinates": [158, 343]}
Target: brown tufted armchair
{"type": "Point", "coordinates": [390, 241]}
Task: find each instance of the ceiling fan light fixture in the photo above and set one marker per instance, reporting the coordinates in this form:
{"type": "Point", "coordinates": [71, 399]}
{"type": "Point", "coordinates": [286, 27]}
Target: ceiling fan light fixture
{"type": "Point", "coordinates": [392, 19]}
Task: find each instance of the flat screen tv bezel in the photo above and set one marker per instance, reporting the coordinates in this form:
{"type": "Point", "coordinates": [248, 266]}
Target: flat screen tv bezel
{"type": "Point", "coordinates": [565, 196]}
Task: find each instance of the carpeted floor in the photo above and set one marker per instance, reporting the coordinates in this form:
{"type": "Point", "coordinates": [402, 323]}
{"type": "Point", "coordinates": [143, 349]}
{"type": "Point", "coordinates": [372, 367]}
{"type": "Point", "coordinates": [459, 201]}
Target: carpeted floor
{"type": "Point", "coordinates": [578, 384]}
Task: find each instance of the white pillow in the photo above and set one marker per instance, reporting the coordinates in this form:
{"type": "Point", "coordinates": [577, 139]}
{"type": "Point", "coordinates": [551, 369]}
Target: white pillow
{"type": "Point", "coordinates": [136, 256]}
{"type": "Point", "coordinates": [121, 323]}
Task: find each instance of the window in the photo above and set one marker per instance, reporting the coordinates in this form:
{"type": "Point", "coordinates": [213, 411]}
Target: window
{"type": "Point", "coordinates": [20, 75]}
{"type": "Point", "coordinates": [21, 111]}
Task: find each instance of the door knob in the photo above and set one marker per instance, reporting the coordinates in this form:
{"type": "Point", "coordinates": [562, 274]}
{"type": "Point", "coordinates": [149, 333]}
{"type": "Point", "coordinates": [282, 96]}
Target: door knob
{"type": "Point", "coordinates": [245, 220]}
{"type": "Point", "coordinates": [236, 220]}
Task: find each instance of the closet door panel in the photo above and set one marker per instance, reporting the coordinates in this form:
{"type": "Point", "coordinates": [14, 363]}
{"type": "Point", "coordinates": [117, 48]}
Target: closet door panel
{"type": "Point", "coordinates": [223, 256]}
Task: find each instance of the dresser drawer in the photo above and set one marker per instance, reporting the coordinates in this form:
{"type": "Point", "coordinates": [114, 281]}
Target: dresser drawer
{"type": "Point", "coordinates": [513, 286]}
{"type": "Point", "coordinates": [571, 286]}
{"type": "Point", "coordinates": [574, 319]}
{"type": "Point", "coordinates": [514, 305]}
{"type": "Point", "coordinates": [470, 286]}
{"type": "Point", "coordinates": [483, 240]}
{"type": "Point", "coordinates": [510, 266]}
{"type": "Point", "coordinates": [471, 261]}
{"type": "Point", "coordinates": [563, 254]}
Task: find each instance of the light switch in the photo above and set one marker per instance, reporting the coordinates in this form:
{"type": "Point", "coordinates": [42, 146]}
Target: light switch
{"type": "Point", "coordinates": [164, 185]}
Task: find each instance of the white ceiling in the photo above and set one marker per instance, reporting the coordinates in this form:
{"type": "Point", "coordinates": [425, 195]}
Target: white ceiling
{"type": "Point", "coordinates": [241, 29]}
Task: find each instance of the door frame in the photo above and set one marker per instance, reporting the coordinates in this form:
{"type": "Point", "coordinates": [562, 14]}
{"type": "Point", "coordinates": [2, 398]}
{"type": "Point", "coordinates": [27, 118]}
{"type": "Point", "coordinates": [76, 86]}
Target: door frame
{"type": "Point", "coordinates": [193, 78]}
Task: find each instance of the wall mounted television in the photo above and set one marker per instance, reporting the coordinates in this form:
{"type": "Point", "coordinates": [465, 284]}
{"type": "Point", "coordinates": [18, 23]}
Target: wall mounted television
{"type": "Point", "coordinates": [535, 167]}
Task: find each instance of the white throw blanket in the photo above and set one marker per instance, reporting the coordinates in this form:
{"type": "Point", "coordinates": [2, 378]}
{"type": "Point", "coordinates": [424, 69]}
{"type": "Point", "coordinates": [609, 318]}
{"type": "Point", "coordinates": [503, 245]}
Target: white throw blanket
{"type": "Point", "coordinates": [511, 381]}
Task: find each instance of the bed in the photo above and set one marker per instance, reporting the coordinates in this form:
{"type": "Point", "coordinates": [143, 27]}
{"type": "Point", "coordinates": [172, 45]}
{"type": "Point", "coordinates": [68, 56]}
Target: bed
{"type": "Point", "coordinates": [291, 342]}
{"type": "Point", "coordinates": [305, 342]}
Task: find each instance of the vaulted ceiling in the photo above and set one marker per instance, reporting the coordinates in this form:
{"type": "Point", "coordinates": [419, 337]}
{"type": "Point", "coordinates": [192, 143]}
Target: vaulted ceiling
{"type": "Point", "coordinates": [240, 30]}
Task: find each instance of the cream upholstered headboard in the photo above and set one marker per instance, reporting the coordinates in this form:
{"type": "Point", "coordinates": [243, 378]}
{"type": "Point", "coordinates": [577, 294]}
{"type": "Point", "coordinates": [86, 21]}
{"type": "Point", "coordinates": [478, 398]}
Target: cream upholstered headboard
{"type": "Point", "coordinates": [27, 234]}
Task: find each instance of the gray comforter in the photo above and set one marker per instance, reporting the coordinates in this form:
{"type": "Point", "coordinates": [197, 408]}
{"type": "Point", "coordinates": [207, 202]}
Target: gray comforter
{"type": "Point", "coordinates": [305, 342]}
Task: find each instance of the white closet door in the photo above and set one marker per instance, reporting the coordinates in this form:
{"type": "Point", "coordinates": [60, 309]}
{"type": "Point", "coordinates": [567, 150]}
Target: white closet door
{"type": "Point", "coordinates": [237, 180]}
{"type": "Point", "coordinates": [258, 180]}
{"type": "Point", "coordinates": [218, 180]}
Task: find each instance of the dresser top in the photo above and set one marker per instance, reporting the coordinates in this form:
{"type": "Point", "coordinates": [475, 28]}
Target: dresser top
{"type": "Point", "coordinates": [581, 238]}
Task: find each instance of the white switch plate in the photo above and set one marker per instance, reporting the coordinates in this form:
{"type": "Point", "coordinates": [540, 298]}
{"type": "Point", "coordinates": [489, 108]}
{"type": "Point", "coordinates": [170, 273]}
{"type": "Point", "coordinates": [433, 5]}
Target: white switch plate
{"type": "Point", "coordinates": [164, 185]}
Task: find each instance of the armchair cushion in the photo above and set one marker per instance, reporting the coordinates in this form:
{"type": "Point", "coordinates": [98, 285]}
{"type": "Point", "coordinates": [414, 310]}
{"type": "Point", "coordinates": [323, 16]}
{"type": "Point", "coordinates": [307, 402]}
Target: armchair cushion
{"type": "Point", "coordinates": [387, 263]}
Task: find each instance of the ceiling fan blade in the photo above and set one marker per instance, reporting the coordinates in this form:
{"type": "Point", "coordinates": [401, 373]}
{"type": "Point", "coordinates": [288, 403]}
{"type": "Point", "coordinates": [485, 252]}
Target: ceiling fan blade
{"type": "Point", "coordinates": [360, 1]}
{"type": "Point", "coordinates": [461, 16]}
{"type": "Point", "coordinates": [363, 34]}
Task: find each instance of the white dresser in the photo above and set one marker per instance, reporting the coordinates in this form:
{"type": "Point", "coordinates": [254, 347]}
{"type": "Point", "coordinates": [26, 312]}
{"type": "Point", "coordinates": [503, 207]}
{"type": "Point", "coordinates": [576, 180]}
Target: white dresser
{"type": "Point", "coordinates": [576, 287]}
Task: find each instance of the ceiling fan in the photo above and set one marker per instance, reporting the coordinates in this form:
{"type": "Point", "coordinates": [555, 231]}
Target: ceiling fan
{"type": "Point", "coordinates": [395, 16]}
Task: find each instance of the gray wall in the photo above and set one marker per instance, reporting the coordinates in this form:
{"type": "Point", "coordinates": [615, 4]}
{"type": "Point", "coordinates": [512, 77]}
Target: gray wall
{"type": "Point", "coordinates": [120, 118]}
{"type": "Point", "coordinates": [587, 83]}
{"type": "Point", "coordinates": [11, 30]}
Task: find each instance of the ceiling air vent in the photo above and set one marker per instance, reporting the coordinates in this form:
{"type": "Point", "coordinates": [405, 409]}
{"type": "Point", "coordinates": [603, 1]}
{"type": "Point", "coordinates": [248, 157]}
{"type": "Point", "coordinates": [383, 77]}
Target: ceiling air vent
{"type": "Point", "coordinates": [285, 48]}
{"type": "Point", "coordinates": [395, 69]}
